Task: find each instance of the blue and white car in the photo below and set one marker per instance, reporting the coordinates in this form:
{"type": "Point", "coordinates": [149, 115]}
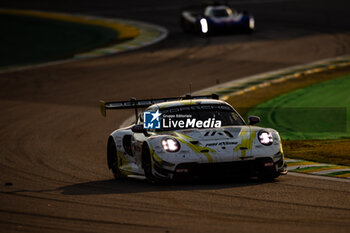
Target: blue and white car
{"type": "Point", "coordinates": [216, 19]}
{"type": "Point", "coordinates": [191, 137]}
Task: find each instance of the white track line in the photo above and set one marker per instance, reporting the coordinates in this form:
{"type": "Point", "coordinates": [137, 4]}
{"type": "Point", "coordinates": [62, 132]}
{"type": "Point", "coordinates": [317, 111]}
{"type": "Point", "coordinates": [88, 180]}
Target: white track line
{"type": "Point", "coordinates": [311, 176]}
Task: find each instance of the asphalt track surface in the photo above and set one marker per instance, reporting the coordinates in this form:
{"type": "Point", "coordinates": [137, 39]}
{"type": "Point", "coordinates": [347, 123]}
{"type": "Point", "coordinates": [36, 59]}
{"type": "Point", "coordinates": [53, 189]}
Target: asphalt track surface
{"type": "Point", "coordinates": [53, 138]}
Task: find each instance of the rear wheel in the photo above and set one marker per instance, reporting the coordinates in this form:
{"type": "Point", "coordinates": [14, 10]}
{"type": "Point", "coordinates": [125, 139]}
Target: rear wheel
{"type": "Point", "coordinates": [114, 161]}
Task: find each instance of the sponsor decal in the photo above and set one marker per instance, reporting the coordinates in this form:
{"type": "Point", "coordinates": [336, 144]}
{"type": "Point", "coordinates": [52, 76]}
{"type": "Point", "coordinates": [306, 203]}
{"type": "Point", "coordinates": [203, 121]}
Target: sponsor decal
{"type": "Point", "coordinates": [190, 123]}
{"type": "Point", "coordinates": [157, 120]}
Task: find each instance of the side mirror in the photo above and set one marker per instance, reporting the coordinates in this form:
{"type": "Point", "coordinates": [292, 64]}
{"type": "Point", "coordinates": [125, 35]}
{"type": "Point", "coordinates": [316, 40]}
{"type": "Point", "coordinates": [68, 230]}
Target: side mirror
{"type": "Point", "coordinates": [253, 120]}
{"type": "Point", "coordinates": [137, 128]}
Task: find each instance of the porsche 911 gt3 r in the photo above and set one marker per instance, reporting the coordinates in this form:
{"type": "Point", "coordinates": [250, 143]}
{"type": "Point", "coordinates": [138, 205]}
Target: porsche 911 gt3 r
{"type": "Point", "coordinates": [216, 19]}
{"type": "Point", "coordinates": [191, 137]}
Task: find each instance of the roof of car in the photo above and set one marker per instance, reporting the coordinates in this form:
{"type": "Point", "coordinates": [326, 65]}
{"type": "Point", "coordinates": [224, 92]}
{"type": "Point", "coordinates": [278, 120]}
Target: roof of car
{"type": "Point", "coordinates": [218, 7]}
{"type": "Point", "coordinates": [171, 104]}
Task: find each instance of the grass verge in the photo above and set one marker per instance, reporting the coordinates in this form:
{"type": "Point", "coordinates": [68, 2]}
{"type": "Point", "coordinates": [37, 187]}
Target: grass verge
{"type": "Point", "coordinates": [30, 37]}
{"type": "Point", "coordinates": [335, 151]}
{"type": "Point", "coordinates": [319, 111]}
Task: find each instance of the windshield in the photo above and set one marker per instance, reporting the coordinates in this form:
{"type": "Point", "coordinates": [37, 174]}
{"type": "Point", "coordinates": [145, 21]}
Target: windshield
{"type": "Point", "coordinates": [220, 13]}
{"type": "Point", "coordinates": [199, 116]}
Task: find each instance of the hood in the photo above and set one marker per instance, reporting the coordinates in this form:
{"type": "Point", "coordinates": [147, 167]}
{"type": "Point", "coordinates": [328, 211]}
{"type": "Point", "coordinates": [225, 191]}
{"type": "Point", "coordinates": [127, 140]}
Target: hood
{"type": "Point", "coordinates": [223, 144]}
{"type": "Point", "coordinates": [212, 134]}
{"type": "Point", "coordinates": [217, 136]}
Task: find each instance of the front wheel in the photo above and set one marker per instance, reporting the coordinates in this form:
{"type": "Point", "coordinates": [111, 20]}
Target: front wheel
{"type": "Point", "coordinates": [147, 166]}
{"type": "Point", "coordinates": [114, 161]}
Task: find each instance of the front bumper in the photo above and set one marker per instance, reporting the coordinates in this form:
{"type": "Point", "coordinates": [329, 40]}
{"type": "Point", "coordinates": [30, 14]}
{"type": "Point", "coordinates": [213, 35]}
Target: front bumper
{"type": "Point", "coordinates": [247, 168]}
{"type": "Point", "coordinates": [229, 27]}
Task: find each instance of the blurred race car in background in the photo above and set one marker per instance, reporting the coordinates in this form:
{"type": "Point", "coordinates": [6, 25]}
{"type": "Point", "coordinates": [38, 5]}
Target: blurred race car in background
{"type": "Point", "coordinates": [191, 137]}
{"type": "Point", "coordinates": [216, 18]}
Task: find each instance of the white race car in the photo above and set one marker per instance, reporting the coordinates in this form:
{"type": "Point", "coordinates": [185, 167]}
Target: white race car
{"type": "Point", "coordinates": [191, 137]}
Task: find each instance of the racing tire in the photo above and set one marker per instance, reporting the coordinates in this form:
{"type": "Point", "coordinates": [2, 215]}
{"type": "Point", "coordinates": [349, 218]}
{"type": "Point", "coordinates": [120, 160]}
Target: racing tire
{"type": "Point", "coordinates": [147, 166]}
{"type": "Point", "coordinates": [114, 161]}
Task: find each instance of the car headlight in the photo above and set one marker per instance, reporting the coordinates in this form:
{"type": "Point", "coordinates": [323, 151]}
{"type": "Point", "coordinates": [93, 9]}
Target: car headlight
{"type": "Point", "coordinates": [265, 138]}
{"type": "Point", "coordinates": [170, 145]}
{"type": "Point", "coordinates": [251, 23]}
{"type": "Point", "coordinates": [204, 25]}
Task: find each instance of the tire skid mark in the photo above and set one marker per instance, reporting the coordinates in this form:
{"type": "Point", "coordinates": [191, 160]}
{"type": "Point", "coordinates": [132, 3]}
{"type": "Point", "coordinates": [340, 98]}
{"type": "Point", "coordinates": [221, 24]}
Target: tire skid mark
{"type": "Point", "coordinates": [229, 217]}
{"type": "Point", "coordinates": [20, 171]}
{"type": "Point", "coordinates": [126, 207]}
{"type": "Point", "coordinates": [149, 206]}
{"type": "Point", "coordinates": [82, 220]}
{"type": "Point", "coordinates": [188, 51]}
{"type": "Point", "coordinates": [277, 202]}
{"type": "Point", "coordinates": [21, 225]}
{"type": "Point", "coordinates": [212, 215]}
{"type": "Point", "coordinates": [73, 167]}
{"type": "Point", "coordinates": [311, 188]}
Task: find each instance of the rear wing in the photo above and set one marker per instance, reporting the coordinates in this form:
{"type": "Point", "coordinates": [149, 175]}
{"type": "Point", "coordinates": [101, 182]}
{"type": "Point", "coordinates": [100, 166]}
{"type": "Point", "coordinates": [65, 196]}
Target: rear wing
{"type": "Point", "coordinates": [135, 104]}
